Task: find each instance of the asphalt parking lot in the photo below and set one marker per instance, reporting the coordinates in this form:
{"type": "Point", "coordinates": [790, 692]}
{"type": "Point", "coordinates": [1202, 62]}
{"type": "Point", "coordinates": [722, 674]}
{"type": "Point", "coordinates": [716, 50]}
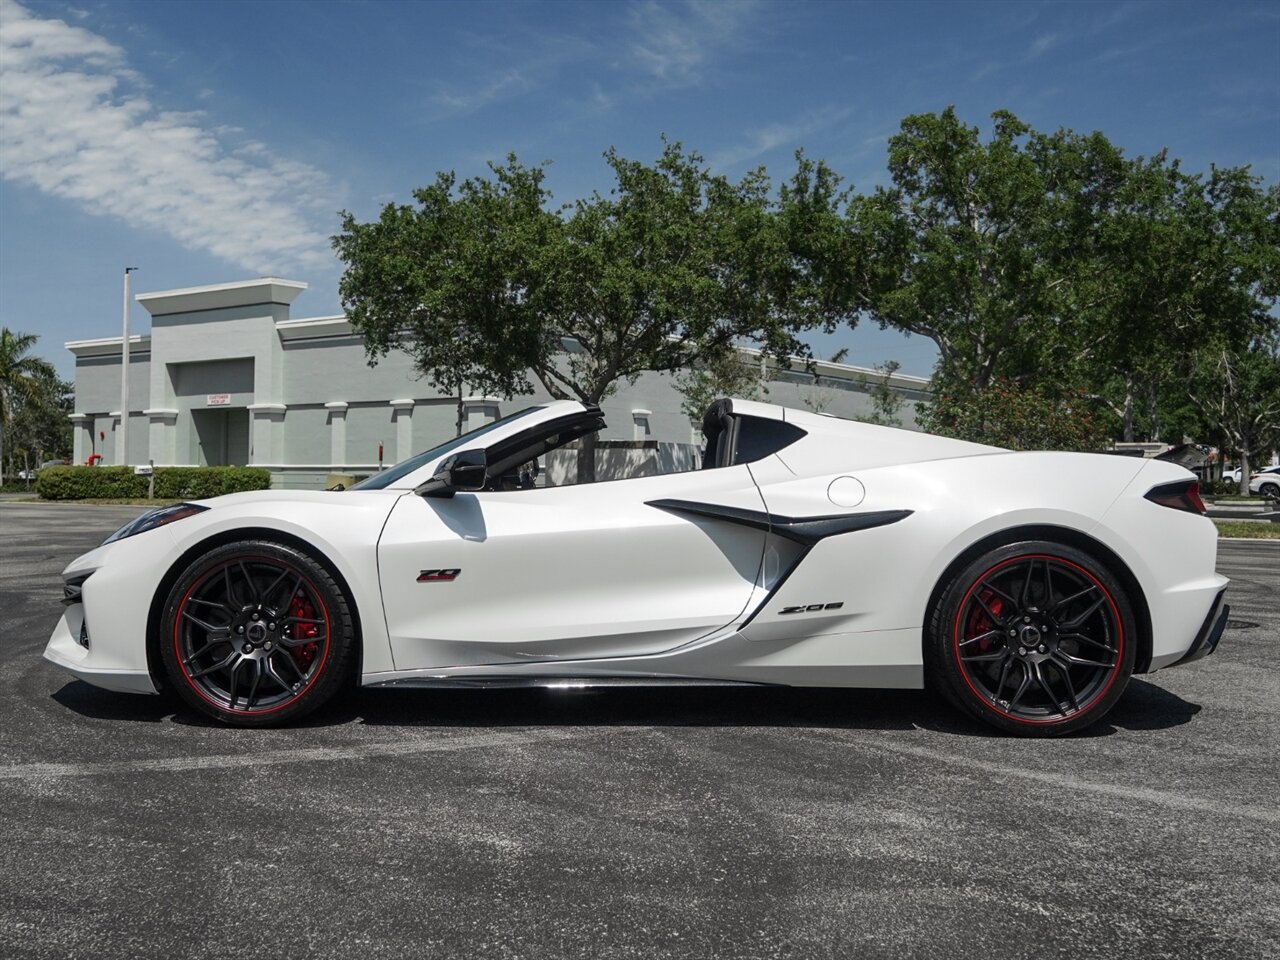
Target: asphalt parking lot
{"type": "Point", "coordinates": [679, 823]}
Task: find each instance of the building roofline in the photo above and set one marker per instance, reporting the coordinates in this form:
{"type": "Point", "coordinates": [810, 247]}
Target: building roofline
{"type": "Point", "coordinates": [215, 296]}
{"type": "Point", "coordinates": [302, 321]}
{"type": "Point", "coordinates": [849, 368]}
{"type": "Point", "coordinates": [105, 345]}
{"type": "Point", "coordinates": [304, 327]}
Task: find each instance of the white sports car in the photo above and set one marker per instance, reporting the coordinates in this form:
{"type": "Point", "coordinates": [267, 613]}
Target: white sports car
{"type": "Point", "coordinates": [806, 551]}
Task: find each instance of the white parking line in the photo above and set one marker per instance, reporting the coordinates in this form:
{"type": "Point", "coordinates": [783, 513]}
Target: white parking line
{"type": "Point", "coordinates": [1066, 781]}
{"type": "Point", "coordinates": [355, 751]}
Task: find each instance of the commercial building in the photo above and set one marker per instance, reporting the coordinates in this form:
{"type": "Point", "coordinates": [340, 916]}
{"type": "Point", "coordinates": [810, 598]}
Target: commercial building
{"type": "Point", "coordinates": [226, 376]}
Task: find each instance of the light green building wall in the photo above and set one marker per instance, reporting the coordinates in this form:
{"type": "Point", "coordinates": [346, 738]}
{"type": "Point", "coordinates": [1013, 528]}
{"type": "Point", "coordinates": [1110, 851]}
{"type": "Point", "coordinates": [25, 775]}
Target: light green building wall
{"type": "Point", "coordinates": [226, 376]}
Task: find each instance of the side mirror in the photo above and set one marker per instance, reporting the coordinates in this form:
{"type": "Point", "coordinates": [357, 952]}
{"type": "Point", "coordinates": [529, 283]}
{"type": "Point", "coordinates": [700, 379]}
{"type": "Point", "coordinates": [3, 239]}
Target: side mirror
{"type": "Point", "coordinates": [466, 471]}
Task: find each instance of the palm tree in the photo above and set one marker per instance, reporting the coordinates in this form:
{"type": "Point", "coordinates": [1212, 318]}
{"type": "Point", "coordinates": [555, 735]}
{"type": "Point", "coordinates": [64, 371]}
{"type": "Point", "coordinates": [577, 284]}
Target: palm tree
{"type": "Point", "coordinates": [23, 378]}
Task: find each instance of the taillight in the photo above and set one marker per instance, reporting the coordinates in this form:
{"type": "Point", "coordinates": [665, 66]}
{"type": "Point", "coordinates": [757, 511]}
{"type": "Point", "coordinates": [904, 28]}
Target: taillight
{"type": "Point", "coordinates": [1180, 495]}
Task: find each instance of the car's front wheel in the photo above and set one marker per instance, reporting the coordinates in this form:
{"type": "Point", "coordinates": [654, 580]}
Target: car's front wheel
{"type": "Point", "coordinates": [256, 634]}
{"type": "Point", "coordinates": [1036, 638]}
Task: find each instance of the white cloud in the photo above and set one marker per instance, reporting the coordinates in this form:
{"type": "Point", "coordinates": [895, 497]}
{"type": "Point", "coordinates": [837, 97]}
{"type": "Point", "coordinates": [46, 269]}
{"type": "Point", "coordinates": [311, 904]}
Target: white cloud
{"type": "Point", "coordinates": [1043, 44]}
{"type": "Point", "coordinates": [776, 135]}
{"type": "Point", "coordinates": [498, 88]}
{"type": "Point", "coordinates": [676, 42]}
{"type": "Point", "coordinates": [74, 125]}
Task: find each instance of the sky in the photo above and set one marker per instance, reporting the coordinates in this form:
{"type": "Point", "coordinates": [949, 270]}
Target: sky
{"type": "Point", "coordinates": [207, 142]}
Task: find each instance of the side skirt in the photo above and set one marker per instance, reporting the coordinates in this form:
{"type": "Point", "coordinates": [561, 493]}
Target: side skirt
{"type": "Point", "coordinates": [556, 683]}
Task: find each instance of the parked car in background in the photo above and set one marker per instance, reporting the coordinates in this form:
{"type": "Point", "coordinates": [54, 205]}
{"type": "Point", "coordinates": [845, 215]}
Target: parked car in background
{"type": "Point", "coordinates": [1232, 475]}
{"type": "Point", "coordinates": [31, 474]}
{"type": "Point", "coordinates": [1266, 482]}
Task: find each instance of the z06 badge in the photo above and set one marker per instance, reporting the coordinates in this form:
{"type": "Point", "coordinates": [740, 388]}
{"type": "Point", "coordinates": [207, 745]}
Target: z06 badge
{"type": "Point", "coordinates": [436, 576]}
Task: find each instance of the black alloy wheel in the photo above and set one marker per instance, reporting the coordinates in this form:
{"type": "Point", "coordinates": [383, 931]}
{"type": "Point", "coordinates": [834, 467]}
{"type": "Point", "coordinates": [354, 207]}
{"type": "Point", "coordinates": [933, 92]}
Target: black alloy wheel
{"type": "Point", "coordinates": [257, 634]}
{"type": "Point", "coordinates": [1037, 638]}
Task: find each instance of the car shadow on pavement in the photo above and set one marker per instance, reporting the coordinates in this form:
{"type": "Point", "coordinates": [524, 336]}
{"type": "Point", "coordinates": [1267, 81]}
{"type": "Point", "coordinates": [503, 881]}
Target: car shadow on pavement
{"type": "Point", "coordinates": [648, 707]}
{"type": "Point", "coordinates": [97, 704]}
{"type": "Point", "coordinates": [1144, 706]}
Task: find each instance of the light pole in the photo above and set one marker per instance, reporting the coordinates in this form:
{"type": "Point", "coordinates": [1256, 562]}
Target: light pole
{"type": "Point", "coordinates": [122, 438]}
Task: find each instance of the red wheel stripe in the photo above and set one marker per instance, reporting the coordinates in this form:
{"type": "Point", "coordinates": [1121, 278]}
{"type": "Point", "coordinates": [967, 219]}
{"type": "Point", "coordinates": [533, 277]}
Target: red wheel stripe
{"type": "Point", "coordinates": [1119, 639]}
{"type": "Point", "coordinates": [177, 650]}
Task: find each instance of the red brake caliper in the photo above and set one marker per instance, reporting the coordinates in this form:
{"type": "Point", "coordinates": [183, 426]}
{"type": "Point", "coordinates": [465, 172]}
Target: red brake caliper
{"type": "Point", "coordinates": [980, 623]}
{"type": "Point", "coordinates": [304, 653]}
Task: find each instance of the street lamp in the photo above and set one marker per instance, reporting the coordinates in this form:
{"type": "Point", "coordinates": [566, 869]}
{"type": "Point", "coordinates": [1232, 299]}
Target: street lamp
{"type": "Point", "coordinates": [123, 436]}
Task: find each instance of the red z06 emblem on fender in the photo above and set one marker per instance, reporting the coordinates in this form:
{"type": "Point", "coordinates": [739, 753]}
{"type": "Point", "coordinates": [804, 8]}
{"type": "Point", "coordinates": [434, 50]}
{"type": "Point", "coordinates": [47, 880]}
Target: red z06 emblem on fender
{"type": "Point", "coordinates": [435, 576]}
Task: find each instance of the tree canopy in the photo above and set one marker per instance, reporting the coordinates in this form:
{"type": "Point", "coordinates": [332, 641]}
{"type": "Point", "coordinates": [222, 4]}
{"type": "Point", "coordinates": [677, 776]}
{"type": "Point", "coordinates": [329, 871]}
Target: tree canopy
{"type": "Point", "coordinates": [1045, 263]}
{"type": "Point", "coordinates": [482, 281]}
{"type": "Point", "coordinates": [33, 403]}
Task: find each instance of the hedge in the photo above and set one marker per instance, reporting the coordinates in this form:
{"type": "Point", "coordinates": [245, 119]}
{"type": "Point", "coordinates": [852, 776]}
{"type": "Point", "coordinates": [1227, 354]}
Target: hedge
{"type": "Point", "coordinates": [172, 483]}
{"type": "Point", "coordinates": [1219, 488]}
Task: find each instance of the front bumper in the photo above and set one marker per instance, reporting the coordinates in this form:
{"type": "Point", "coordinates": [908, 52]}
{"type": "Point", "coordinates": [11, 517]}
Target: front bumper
{"type": "Point", "coordinates": [65, 651]}
{"type": "Point", "coordinates": [1210, 632]}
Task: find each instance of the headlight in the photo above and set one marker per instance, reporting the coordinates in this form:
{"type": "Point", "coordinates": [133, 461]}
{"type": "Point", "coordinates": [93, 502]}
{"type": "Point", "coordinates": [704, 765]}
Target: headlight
{"type": "Point", "coordinates": [156, 518]}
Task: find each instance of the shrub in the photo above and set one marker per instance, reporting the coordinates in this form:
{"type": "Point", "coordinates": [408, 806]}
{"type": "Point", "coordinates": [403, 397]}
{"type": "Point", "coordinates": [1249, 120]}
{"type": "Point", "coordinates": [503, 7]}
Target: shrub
{"type": "Point", "coordinates": [1220, 488]}
{"type": "Point", "coordinates": [172, 483]}
{"type": "Point", "coordinates": [86, 483]}
{"type": "Point", "coordinates": [199, 483]}
{"type": "Point", "coordinates": [241, 479]}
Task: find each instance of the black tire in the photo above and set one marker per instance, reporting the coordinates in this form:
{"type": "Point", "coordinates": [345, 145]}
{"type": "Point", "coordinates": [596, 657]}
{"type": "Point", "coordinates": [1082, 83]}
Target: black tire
{"type": "Point", "coordinates": [1037, 638]}
{"type": "Point", "coordinates": [261, 603]}
{"type": "Point", "coordinates": [1270, 490]}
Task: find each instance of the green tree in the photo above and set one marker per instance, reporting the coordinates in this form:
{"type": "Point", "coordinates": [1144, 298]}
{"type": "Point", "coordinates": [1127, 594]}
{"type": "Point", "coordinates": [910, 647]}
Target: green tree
{"type": "Point", "coordinates": [1239, 392]}
{"type": "Point", "coordinates": [1017, 416]}
{"type": "Point", "coordinates": [25, 380]}
{"type": "Point", "coordinates": [40, 429]}
{"type": "Point", "coordinates": [448, 281]}
{"type": "Point", "coordinates": [726, 374]}
{"type": "Point", "coordinates": [1175, 262]}
{"type": "Point", "coordinates": [973, 241]}
{"type": "Point", "coordinates": [481, 281]}
{"type": "Point", "coordinates": [1048, 260]}
{"type": "Point", "coordinates": [822, 393]}
{"type": "Point", "coordinates": [886, 403]}
{"type": "Point", "coordinates": [1233, 365]}
{"type": "Point", "coordinates": [1131, 298]}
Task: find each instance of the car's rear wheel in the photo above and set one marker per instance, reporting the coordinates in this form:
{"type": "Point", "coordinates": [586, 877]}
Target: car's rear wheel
{"type": "Point", "coordinates": [1270, 490]}
{"type": "Point", "coordinates": [257, 634]}
{"type": "Point", "coordinates": [1036, 638]}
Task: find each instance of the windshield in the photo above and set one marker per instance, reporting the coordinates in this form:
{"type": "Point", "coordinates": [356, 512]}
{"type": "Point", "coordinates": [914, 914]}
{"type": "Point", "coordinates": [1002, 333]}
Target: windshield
{"type": "Point", "coordinates": [405, 467]}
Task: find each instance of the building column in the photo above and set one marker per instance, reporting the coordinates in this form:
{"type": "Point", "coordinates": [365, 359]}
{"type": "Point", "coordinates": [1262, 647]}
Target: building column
{"type": "Point", "coordinates": [477, 411]}
{"type": "Point", "coordinates": [81, 437]}
{"type": "Point", "coordinates": [640, 424]}
{"type": "Point", "coordinates": [118, 453]}
{"type": "Point", "coordinates": [402, 414]}
{"type": "Point", "coordinates": [337, 433]}
{"type": "Point", "coordinates": [267, 441]}
{"type": "Point", "coordinates": [162, 440]}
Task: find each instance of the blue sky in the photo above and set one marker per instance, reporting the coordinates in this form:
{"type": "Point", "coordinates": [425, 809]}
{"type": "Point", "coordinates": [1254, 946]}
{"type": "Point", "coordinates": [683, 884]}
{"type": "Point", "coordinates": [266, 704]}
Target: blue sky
{"type": "Point", "coordinates": [208, 142]}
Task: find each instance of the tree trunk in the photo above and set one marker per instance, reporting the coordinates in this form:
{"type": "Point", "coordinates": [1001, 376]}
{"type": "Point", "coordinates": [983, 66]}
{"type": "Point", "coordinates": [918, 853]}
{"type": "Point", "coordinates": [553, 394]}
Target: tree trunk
{"type": "Point", "coordinates": [1127, 416]}
{"type": "Point", "coordinates": [1244, 473]}
{"type": "Point", "coordinates": [1, 453]}
{"type": "Point", "coordinates": [459, 433]}
{"type": "Point", "coordinates": [587, 459]}
{"type": "Point", "coordinates": [1153, 414]}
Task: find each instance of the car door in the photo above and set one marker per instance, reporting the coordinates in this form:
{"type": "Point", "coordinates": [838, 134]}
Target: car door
{"type": "Point", "coordinates": [566, 573]}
